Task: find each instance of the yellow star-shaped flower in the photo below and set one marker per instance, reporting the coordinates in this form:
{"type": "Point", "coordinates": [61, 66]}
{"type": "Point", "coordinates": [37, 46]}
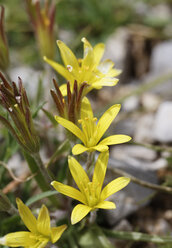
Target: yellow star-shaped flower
{"type": "Point", "coordinates": [89, 69]}
{"type": "Point", "coordinates": [40, 232]}
{"type": "Point", "coordinates": [91, 133]}
{"type": "Point", "coordinates": [90, 193]}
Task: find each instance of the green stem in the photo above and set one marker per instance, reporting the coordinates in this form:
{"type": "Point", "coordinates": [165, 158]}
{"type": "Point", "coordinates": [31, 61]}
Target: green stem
{"type": "Point", "coordinates": [90, 160]}
{"type": "Point", "coordinates": [65, 146]}
{"type": "Point", "coordinates": [42, 168]}
{"type": "Point", "coordinates": [39, 176]}
{"type": "Point", "coordinates": [138, 236]}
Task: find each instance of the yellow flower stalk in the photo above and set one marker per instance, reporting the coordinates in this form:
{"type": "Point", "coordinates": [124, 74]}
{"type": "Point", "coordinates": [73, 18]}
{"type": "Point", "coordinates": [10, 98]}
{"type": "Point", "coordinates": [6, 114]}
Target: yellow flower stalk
{"type": "Point", "coordinates": [40, 232]}
{"type": "Point", "coordinates": [90, 193]}
{"type": "Point", "coordinates": [91, 133]}
{"type": "Point", "coordinates": [88, 70]}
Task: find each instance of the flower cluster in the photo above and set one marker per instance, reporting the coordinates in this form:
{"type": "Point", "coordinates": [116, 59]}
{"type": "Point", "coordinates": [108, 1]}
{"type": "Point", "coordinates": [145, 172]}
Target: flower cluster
{"type": "Point", "coordinates": [95, 74]}
{"type": "Point", "coordinates": [76, 115]}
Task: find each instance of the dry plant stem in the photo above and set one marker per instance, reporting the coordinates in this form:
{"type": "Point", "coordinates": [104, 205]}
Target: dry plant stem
{"type": "Point", "coordinates": [141, 182]}
{"type": "Point", "coordinates": [140, 90]}
{"type": "Point", "coordinates": [153, 147]}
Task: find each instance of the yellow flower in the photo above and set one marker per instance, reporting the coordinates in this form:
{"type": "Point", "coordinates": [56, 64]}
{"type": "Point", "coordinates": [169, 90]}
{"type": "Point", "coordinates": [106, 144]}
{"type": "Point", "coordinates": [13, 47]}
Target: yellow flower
{"type": "Point", "coordinates": [40, 232]}
{"type": "Point", "coordinates": [90, 194]}
{"type": "Point", "coordinates": [89, 69]}
{"type": "Point", "coordinates": [91, 132]}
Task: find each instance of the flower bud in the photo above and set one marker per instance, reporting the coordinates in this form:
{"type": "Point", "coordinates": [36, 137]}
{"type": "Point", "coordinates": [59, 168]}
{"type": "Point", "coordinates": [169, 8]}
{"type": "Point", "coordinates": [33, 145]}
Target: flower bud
{"type": "Point", "coordinates": [69, 107]}
{"type": "Point", "coordinates": [42, 18]}
{"type": "Point", "coordinates": [15, 101]}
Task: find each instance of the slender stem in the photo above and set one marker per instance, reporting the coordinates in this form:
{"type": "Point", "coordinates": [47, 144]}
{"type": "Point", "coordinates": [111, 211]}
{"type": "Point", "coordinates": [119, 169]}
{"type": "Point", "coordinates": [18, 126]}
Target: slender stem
{"type": "Point", "coordinates": [153, 147]}
{"type": "Point", "coordinates": [90, 160]}
{"type": "Point", "coordinates": [42, 168]}
{"type": "Point", "coordinates": [39, 176]}
{"type": "Point", "coordinates": [141, 182]}
{"type": "Point", "coordinates": [138, 236]}
{"type": "Point", "coordinates": [140, 90]}
{"type": "Point", "coordinates": [93, 215]}
{"type": "Point", "coordinates": [65, 146]}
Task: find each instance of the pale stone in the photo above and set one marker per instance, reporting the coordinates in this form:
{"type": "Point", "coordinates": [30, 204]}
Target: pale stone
{"type": "Point", "coordinates": [162, 130]}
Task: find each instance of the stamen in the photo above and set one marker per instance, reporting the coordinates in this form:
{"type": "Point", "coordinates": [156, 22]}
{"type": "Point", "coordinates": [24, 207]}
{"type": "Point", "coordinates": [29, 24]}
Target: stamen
{"type": "Point", "coordinates": [18, 99]}
{"type": "Point", "coordinates": [70, 68]}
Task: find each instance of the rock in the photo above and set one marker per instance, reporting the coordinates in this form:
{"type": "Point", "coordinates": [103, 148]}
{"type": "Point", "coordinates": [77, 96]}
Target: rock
{"type": "Point", "coordinates": [157, 226]}
{"type": "Point", "coordinates": [134, 151]}
{"type": "Point", "coordinates": [144, 127]}
{"type": "Point", "coordinates": [116, 47]}
{"type": "Point", "coordinates": [131, 104]}
{"type": "Point", "coordinates": [162, 130]}
{"type": "Point", "coordinates": [67, 36]}
{"type": "Point", "coordinates": [17, 165]}
{"type": "Point", "coordinates": [133, 196]}
{"type": "Point", "coordinates": [160, 60]}
{"type": "Point", "coordinates": [123, 225]}
{"type": "Point", "coordinates": [150, 101]}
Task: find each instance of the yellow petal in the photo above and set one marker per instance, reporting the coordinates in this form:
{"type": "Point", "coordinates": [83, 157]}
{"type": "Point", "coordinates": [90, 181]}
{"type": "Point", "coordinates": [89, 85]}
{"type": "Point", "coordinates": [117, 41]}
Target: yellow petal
{"type": "Point", "coordinates": [69, 191]}
{"type": "Point", "coordinates": [113, 73]}
{"type": "Point", "coordinates": [100, 170]}
{"type": "Point", "coordinates": [98, 53]}
{"type": "Point", "coordinates": [59, 68]}
{"type": "Point", "coordinates": [78, 149]}
{"type": "Point", "coordinates": [68, 57]}
{"type": "Point", "coordinates": [78, 174]}
{"type": "Point", "coordinates": [105, 66]}
{"type": "Point", "coordinates": [71, 127]}
{"type": "Point", "coordinates": [27, 216]}
{"type": "Point", "coordinates": [105, 81]}
{"type": "Point", "coordinates": [106, 120]}
{"type": "Point", "coordinates": [106, 205]}
{"type": "Point", "coordinates": [99, 148]}
{"type": "Point", "coordinates": [87, 46]}
{"type": "Point", "coordinates": [79, 212]}
{"type": "Point", "coordinates": [86, 109]}
{"type": "Point", "coordinates": [115, 139]}
{"type": "Point", "coordinates": [63, 89]}
{"type": "Point", "coordinates": [114, 187]}
{"type": "Point", "coordinates": [17, 239]}
{"type": "Point", "coordinates": [43, 222]}
{"type": "Point", "coordinates": [56, 232]}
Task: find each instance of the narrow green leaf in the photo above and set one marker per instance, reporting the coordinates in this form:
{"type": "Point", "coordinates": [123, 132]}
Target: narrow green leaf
{"type": "Point", "coordinates": [38, 108]}
{"type": "Point", "coordinates": [41, 196]}
{"type": "Point", "coordinates": [50, 116]}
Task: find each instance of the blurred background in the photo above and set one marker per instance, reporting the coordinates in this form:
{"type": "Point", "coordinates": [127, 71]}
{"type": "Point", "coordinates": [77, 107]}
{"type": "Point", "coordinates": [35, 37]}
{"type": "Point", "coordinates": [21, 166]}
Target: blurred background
{"type": "Point", "coordinates": [138, 38]}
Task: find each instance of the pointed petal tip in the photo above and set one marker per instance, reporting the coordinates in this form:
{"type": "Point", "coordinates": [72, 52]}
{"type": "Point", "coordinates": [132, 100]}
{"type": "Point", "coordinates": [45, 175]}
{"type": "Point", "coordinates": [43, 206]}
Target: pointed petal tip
{"type": "Point", "coordinates": [52, 183]}
{"type": "Point", "coordinates": [18, 201]}
{"type": "Point", "coordinates": [83, 39]}
{"type": "Point", "coordinates": [58, 42]}
{"type": "Point", "coordinates": [2, 240]}
{"type": "Point", "coordinates": [44, 58]}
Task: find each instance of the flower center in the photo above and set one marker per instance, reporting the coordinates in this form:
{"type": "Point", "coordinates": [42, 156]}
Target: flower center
{"type": "Point", "coordinates": [90, 190]}
{"type": "Point", "coordinates": [89, 129]}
